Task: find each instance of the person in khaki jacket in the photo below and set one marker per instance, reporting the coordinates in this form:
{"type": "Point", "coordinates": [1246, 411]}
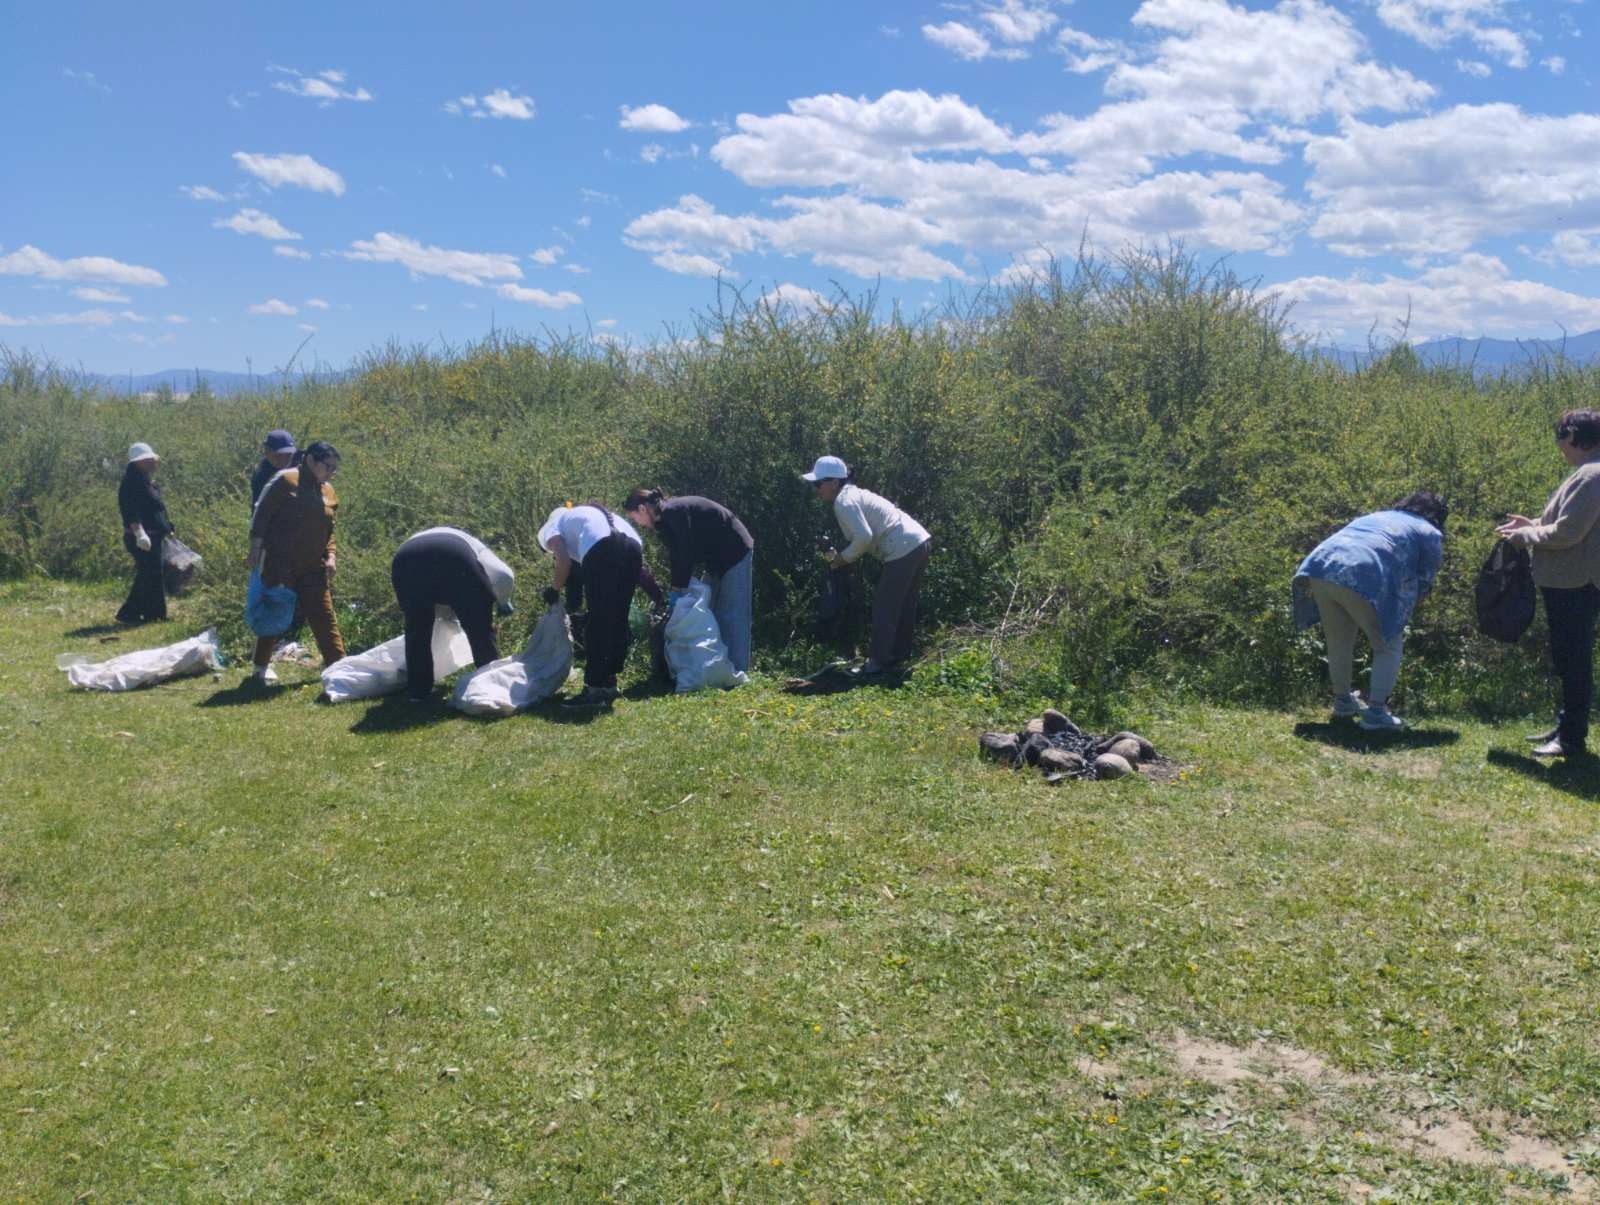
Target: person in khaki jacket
{"type": "Point", "coordinates": [1565, 541]}
{"type": "Point", "coordinates": [291, 542]}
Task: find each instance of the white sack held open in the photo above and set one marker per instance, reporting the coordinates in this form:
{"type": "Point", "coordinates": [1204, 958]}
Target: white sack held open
{"type": "Point", "coordinates": [695, 652]}
{"type": "Point", "coordinates": [382, 670]}
{"type": "Point", "coordinates": [514, 683]}
{"type": "Point", "coordinates": [146, 667]}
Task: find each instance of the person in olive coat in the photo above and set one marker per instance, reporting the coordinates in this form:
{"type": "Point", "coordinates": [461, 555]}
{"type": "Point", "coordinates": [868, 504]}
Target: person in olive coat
{"type": "Point", "coordinates": [144, 526]}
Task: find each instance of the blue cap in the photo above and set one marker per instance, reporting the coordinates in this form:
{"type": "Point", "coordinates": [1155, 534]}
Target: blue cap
{"type": "Point", "coordinates": [279, 440]}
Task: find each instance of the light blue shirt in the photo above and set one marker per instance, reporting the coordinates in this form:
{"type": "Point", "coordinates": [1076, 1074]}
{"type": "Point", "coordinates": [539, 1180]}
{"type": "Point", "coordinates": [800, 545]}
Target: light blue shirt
{"type": "Point", "coordinates": [1389, 558]}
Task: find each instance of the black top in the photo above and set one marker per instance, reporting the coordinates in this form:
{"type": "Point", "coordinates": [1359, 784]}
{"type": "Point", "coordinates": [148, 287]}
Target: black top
{"type": "Point", "coordinates": [139, 500]}
{"type": "Point", "coordinates": [265, 473]}
{"type": "Point", "coordinates": [698, 531]}
{"type": "Point", "coordinates": [439, 567]}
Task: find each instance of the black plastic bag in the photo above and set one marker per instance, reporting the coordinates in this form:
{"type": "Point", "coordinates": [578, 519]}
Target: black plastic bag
{"type": "Point", "coordinates": [1505, 592]}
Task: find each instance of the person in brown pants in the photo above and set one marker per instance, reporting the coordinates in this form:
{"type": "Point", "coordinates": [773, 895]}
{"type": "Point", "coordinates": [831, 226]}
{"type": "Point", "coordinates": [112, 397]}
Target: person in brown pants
{"type": "Point", "coordinates": [291, 542]}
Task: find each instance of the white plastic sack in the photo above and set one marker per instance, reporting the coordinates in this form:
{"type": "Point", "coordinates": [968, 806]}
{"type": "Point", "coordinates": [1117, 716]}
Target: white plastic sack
{"type": "Point", "coordinates": [513, 683]}
{"type": "Point", "coordinates": [146, 667]}
{"type": "Point", "coordinates": [501, 579]}
{"type": "Point", "coordinates": [695, 652]}
{"type": "Point", "coordinates": [382, 670]}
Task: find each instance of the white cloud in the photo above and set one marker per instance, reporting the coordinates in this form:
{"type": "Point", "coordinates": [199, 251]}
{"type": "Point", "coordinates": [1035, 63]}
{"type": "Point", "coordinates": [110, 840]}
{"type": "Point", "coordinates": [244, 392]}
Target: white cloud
{"type": "Point", "coordinates": [547, 255]}
{"type": "Point", "coordinates": [1571, 249]}
{"type": "Point", "coordinates": [1474, 68]}
{"type": "Point", "coordinates": [796, 296]}
{"type": "Point", "coordinates": [316, 303]}
{"type": "Point", "coordinates": [176, 320]}
{"type": "Point", "coordinates": [499, 103]}
{"type": "Point", "coordinates": [420, 307]}
{"type": "Point", "coordinates": [465, 267]}
{"type": "Point", "coordinates": [253, 221]}
{"type": "Point", "coordinates": [199, 192]}
{"type": "Point", "coordinates": [550, 301]}
{"type": "Point", "coordinates": [688, 264]}
{"type": "Point", "coordinates": [30, 261]}
{"type": "Point", "coordinates": [1437, 23]}
{"type": "Point", "coordinates": [1555, 64]}
{"type": "Point", "coordinates": [289, 252]}
{"type": "Point", "coordinates": [498, 170]}
{"type": "Point", "coordinates": [1436, 185]}
{"type": "Point", "coordinates": [1016, 22]}
{"type": "Point", "coordinates": [273, 306]}
{"type": "Point", "coordinates": [88, 293]}
{"type": "Point", "coordinates": [967, 43]}
{"type": "Point", "coordinates": [651, 119]}
{"type": "Point", "coordinates": [1474, 295]}
{"type": "Point", "coordinates": [1086, 53]}
{"type": "Point", "coordinates": [606, 323]}
{"type": "Point", "coordinates": [86, 78]}
{"type": "Point", "coordinates": [307, 327]}
{"type": "Point", "coordinates": [81, 318]}
{"type": "Point", "coordinates": [651, 152]}
{"type": "Point", "coordinates": [323, 87]}
{"type": "Point", "coordinates": [575, 269]}
{"type": "Point", "coordinates": [302, 171]}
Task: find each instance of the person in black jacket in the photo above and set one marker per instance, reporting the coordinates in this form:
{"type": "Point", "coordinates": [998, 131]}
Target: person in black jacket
{"type": "Point", "coordinates": [440, 568]}
{"type": "Point", "coordinates": [277, 453]}
{"type": "Point", "coordinates": [701, 533]}
{"type": "Point", "coordinates": [144, 526]}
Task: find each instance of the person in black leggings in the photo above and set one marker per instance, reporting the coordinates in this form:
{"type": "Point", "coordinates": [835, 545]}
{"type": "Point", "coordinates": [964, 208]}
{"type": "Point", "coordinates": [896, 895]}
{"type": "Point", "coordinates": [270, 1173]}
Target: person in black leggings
{"type": "Point", "coordinates": [439, 569]}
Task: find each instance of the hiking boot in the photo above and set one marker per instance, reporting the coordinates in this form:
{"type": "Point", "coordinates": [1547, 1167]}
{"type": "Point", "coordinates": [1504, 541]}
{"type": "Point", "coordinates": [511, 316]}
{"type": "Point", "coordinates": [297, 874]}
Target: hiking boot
{"type": "Point", "coordinates": [591, 696]}
{"type": "Point", "coordinates": [1379, 718]}
{"type": "Point", "coordinates": [1543, 738]}
{"type": "Point", "coordinates": [1347, 706]}
{"type": "Point", "coordinates": [264, 675]}
{"type": "Point", "coordinates": [1555, 748]}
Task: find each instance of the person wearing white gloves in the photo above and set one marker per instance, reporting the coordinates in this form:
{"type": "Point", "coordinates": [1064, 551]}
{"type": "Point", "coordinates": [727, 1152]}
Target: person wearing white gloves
{"type": "Point", "coordinates": [144, 526]}
{"type": "Point", "coordinates": [875, 525]}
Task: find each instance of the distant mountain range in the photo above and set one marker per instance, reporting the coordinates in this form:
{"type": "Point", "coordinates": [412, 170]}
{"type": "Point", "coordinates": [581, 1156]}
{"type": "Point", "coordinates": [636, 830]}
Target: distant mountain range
{"type": "Point", "coordinates": [183, 381]}
{"type": "Point", "coordinates": [1485, 357]}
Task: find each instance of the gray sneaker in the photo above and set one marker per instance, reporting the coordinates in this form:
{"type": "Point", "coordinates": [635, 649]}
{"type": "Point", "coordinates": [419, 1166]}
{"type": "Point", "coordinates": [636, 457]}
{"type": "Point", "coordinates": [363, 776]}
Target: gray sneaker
{"type": "Point", "coordinates": [1347, 705]}
{"type": "Point", "coordinates": [1379, 718]}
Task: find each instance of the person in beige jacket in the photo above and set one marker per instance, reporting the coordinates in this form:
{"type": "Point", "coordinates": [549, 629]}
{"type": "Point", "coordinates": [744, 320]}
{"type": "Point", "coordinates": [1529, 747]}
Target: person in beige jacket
{"type": "Point", "coordinates": [1565, 541]}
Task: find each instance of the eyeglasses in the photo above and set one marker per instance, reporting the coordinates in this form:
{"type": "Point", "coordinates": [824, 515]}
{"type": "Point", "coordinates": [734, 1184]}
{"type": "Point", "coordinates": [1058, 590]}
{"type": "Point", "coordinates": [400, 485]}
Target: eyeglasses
{"type": "Point", "coordinates": [331, 465]}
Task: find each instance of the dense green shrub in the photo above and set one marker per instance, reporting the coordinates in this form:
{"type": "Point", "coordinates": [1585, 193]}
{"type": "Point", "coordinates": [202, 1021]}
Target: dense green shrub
{"type": "Point", "coordinates": [1121, 463]}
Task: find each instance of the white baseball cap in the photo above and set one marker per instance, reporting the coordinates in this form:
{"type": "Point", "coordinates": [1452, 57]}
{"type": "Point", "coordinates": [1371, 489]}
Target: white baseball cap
{"type": "Point", "coordinates": [141, 452]}
{"type": "Point", "coordinates": [826, 468]}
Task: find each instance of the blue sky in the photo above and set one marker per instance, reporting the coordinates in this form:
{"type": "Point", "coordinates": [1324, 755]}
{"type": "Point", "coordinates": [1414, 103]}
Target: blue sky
{"type": "Point", "coordinates": [211, 185]}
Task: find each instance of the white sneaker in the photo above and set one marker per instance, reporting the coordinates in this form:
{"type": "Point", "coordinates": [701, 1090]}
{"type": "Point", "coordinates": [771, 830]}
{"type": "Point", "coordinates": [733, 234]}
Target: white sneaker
{"type": "Point", "coordinates": [1379, 718]}
{"type": "Point", "coordinates": [265, 674]}
{"type": "Point", "coordinates": [1347, 705]}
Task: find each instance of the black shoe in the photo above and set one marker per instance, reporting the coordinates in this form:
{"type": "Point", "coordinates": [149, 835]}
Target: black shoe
{"type": "Point", "coordinates": [1543, 738]}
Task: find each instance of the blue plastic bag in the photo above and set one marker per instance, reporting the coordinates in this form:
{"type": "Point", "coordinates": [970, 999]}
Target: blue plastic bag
{"type": "Point", "coordinates": [269, 610]}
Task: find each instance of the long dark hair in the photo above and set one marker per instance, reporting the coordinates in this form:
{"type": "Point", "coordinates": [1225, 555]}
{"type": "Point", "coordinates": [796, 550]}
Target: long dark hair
{"type": "Point", "coordinates": [651, 496]}
{"type": "Point", "coordinates": [1425, 504]}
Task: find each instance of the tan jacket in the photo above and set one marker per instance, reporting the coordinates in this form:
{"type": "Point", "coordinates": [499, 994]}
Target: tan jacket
{"type": "Point", "coordinates": [1566, 539]}
{"type": "Point", "coordinates": [295, 524]}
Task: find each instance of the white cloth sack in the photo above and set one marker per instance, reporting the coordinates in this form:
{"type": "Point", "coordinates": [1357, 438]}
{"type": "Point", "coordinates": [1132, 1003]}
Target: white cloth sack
{"type": "Point", "coordinates": [513, 683]}
{"type": "Point", "coordinates": [382, 670]}
{"type": "Point", "coordinates": [695, 652]}
{"type": "Point", "coordinates": [501, 579]}
{"type": "Point", "coordinates": [146, 667]}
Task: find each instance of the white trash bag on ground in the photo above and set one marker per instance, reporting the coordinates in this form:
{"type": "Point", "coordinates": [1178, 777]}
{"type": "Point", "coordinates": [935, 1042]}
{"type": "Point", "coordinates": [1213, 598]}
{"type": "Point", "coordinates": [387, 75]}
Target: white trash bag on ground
{"type": "Point", "coordinates": [695, 652]}
{"type": "Point", "coordinates": [514, 683]}
{"type": "Point", "coordinates": [382, 670]}
{"type": "Point", "coordinates": [145, 668]}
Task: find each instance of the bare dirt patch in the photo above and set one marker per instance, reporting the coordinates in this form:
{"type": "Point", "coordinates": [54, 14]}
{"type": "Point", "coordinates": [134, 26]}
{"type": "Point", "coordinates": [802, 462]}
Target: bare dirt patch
{"type": "Point", "coordinates": [1485, 1140]}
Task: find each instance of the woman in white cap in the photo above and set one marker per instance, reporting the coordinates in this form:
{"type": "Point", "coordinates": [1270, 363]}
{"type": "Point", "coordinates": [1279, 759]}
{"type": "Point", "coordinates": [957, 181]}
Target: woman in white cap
{"type": "Point", "coordinates": [144, 525]}
{"type": "Point", "coordinates": [874, 524]}
{"type": "Point", "coordinates": [611, 555]}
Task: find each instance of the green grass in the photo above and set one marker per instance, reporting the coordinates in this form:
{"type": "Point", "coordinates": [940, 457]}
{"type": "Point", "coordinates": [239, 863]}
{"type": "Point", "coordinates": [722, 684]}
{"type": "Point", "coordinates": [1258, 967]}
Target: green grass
{"type": "Point", "coordinates": [759, 947]}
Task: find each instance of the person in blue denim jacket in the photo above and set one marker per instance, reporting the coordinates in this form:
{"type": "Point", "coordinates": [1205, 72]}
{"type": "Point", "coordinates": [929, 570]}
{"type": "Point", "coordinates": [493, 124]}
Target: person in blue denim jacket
{"type": "Point", "coordinates": [1368, 576]}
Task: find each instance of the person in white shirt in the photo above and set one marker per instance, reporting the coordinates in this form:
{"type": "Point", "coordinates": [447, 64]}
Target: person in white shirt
{"type": "Point", "coordinates": [875, 525]}
{"type": "Point", "coordinates": [611, 554]}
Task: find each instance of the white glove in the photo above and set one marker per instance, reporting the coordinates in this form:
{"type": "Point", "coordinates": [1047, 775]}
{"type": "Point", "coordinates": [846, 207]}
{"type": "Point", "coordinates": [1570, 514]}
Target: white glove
{"type": "Point", "coordinates": [141, 538]}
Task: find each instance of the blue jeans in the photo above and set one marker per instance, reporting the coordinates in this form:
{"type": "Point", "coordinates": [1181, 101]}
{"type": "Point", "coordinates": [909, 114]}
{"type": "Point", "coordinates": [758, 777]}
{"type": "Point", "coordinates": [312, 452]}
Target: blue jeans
{"type": "Point", "coordinates": [730, 603]}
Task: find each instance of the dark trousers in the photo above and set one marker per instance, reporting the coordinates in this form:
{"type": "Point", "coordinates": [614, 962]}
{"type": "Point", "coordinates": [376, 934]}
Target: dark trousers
{"type": "Point", "coordinates": [894, 605]}
{"type": "Point", "coordinates": [147, 597]}
{"type": "Point", "coordinates": [430, 573]}
{"type": "Point", "coordinates": [610, 574]}
{"type": "Point", "coordinates": [1572, 615]}
{"type": "Point", "coordinates": [313, 605]}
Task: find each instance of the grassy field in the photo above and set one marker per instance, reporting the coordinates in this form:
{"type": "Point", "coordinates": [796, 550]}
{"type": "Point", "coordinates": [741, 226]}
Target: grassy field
{"type": "Point", "coordinates": [757, 947]}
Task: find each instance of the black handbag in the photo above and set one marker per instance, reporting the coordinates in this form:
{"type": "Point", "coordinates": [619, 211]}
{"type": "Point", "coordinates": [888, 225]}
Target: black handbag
{"type": "Point", "coordinates": [1505, 592]}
